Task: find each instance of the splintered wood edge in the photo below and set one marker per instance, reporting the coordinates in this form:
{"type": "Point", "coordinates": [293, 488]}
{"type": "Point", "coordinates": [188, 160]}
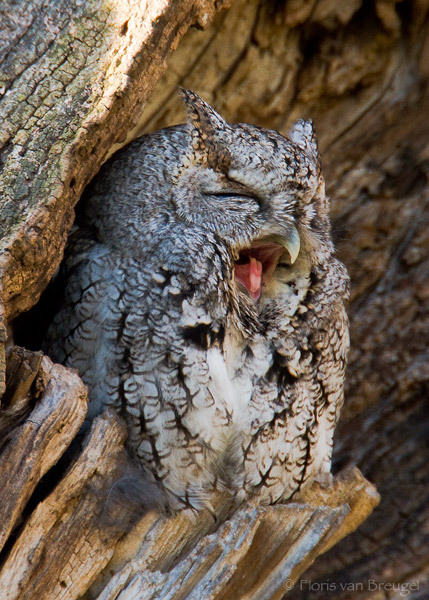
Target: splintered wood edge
{"type": "Point", "coordinates": [65, 542]}
{"type": "Point", "coordinates": [26, 381]}
{"type": "Point", "coordinates": [257, 554]}
{"type": "Point", "coordinates": [37, 444]}
{"type": "Point", "coordinates": [349, 488]}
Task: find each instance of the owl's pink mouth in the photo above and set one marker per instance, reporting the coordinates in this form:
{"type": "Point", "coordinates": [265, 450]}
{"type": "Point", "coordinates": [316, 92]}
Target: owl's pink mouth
{"type": "Point", "coordinates": [256, 265]}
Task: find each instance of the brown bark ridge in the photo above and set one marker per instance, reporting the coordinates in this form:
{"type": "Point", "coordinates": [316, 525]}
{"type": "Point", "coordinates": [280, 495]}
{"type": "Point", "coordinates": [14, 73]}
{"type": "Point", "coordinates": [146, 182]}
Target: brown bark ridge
{"type": "Point", "coordinates": [73, 78]}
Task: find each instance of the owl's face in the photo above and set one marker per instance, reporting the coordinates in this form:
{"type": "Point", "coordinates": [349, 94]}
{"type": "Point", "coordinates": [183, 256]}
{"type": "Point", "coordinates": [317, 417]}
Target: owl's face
{"type": "Point", "coordinates": [261, 193]}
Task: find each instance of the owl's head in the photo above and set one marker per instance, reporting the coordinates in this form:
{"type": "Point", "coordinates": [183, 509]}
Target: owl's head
{"type": "Point", "coordinates": [260, 192]}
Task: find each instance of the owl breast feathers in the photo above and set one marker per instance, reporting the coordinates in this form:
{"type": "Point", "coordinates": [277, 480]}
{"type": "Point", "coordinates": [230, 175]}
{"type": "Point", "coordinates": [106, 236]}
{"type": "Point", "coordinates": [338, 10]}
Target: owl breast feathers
{"type": "Point", "coordinates": [204, 303]}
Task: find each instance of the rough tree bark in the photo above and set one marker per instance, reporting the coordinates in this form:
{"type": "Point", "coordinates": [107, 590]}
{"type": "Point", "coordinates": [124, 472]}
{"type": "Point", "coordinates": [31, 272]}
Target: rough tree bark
{"type": "Point", "coordinates": [73, 78]}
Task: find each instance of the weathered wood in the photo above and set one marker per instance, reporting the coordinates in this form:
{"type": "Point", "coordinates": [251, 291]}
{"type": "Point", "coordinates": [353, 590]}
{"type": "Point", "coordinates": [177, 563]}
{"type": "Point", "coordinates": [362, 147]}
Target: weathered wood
{"type": "Point", "coordinates": [22, 369]}
{"type": "Point", "coordinates": [66, 541]}
{"type": "Point", "coordinates": [73, 78]}
{"type": "Point", "coordinates": [37, 444]}
{"type": "Point", "coordinates": [257, 554]}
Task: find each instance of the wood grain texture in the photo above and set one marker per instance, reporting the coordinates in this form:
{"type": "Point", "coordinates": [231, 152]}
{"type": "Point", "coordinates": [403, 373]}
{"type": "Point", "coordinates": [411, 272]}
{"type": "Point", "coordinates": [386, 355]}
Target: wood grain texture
{"type": "Point", "coordinates": [62, 545]}
{"type": "Point", "coordinates": [38, 443]}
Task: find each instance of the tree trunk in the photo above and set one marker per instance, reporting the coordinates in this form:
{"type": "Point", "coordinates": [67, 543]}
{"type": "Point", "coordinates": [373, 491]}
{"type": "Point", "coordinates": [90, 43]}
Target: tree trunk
{"type": "Point", "coordinates": [74, 79]}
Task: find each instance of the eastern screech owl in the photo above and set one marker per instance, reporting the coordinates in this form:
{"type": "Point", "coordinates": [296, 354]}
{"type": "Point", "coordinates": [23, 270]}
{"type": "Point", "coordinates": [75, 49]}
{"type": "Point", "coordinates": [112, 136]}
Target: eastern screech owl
{"type": "Point", "coordinates": [205, 304]}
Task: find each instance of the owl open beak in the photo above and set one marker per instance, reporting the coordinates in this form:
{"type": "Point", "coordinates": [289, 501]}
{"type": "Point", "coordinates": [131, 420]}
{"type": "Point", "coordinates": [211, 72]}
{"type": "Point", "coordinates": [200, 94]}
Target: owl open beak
{"type": "Point", "coordinates": [257, 263]}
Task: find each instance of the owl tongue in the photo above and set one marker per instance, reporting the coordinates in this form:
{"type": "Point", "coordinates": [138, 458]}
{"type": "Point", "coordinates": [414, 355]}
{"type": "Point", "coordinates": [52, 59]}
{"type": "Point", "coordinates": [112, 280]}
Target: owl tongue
{"type": "Point", "coordinates": [250, 275]}
{"type": "Point", "coordinates": [255, 266]}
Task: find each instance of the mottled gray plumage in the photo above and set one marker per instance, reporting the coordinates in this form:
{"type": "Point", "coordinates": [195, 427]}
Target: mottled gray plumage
{"type": "Point", "coordinates": [205, 304]}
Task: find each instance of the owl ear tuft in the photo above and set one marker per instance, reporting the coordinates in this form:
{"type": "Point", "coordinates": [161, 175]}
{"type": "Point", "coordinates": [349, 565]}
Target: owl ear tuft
{"type": "Point", "coordinates": [210, 132]}
{"type": "Point", "coordinates": [200, 114]}
{"type": "Point", "coordinates": [302, 134]}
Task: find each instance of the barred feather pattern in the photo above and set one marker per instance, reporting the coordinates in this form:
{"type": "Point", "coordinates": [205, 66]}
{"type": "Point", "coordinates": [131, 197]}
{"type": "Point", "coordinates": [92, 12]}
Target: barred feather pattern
{"type": "Point", "coordinates": [205, 304]}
